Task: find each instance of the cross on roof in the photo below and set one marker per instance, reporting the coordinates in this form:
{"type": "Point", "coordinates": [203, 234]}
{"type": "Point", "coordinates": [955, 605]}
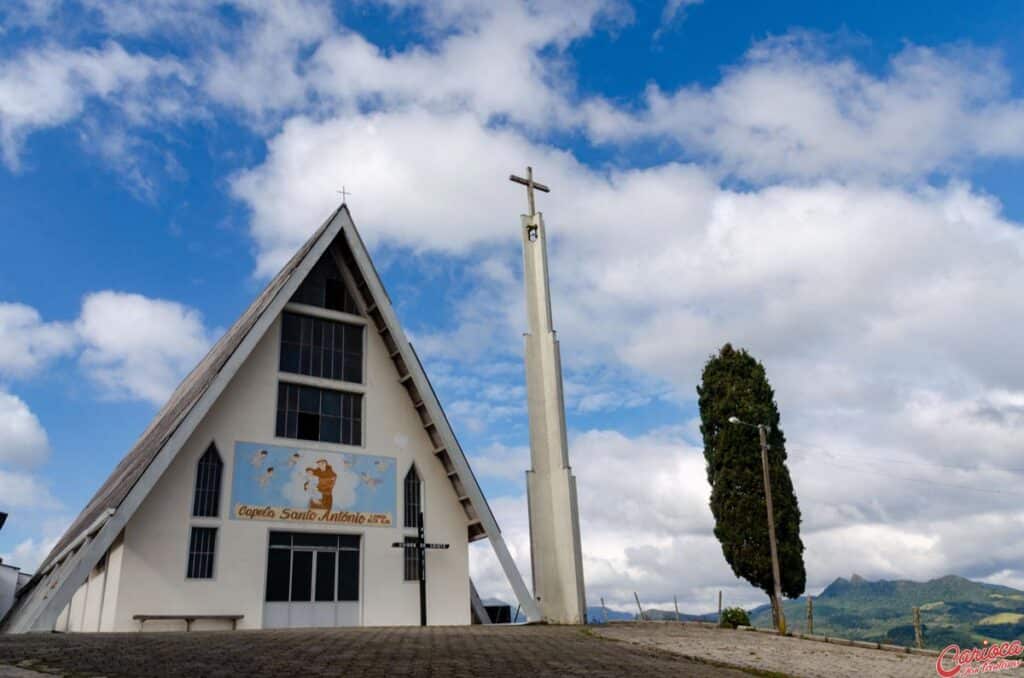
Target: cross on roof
{"type": "Point", "coordinates": [530, 185]}
{"type": "Point", "coordinates": [344, 194]}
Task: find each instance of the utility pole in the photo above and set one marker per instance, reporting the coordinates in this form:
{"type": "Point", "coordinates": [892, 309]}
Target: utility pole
{"type": "Point", "coordinates": [810, 615]}
{"type": "Point", "coordinates": [918, 635]}
{"type": "Point", "coordinates": [777, 612]}
{"type": "Point", "coordinates": [643, 617]}
{"type": "Point", "coordinates": [780, 615]}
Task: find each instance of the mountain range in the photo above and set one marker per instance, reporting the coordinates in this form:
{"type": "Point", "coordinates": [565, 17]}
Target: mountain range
{"type": "Point", "coordinates": [953, 610]}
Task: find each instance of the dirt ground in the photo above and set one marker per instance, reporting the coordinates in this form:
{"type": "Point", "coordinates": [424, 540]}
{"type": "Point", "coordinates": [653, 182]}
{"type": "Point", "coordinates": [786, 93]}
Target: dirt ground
{"type": "Point", "coordinates": [770, 653]}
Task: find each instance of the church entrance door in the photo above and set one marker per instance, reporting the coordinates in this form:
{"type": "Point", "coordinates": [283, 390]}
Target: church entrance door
{"type": "Point", "coordinates": [312, 580]}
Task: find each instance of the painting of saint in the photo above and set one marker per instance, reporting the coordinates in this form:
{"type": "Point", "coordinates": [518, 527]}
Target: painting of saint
{"type": "Point", "coordinates": [325, 479]}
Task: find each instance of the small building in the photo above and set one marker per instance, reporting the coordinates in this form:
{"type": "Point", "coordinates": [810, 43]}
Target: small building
{"type": "Point", "coordinates": [11, 581]}
{"type": "Point", "coordinates": [283, 483]}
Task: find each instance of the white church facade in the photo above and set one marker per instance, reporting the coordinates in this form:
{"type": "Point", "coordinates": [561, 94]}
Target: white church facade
{"type": "Point", "coordinates": [283, 482]}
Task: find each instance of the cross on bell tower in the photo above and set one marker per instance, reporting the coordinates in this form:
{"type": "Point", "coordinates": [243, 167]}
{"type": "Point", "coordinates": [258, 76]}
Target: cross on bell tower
{"type": "Point", "coordinates": [555, 553]}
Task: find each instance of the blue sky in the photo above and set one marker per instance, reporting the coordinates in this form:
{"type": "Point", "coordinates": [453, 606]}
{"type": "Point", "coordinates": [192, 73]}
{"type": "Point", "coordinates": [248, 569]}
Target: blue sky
{"type": "Point", "coordinates": [835, 187]}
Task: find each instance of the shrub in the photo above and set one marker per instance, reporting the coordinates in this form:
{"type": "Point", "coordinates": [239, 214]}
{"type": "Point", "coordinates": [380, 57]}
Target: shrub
{"type": "Point", "coordinates": [733, 617]}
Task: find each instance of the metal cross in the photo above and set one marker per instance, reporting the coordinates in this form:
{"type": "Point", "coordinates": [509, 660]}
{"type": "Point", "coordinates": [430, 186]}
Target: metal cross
{"type": "Point", "coordinates": [530, 185]}
{"type": "Point", "coordinates": [344, 194]}
{"type": "Point", "coordinates": [421, 546]}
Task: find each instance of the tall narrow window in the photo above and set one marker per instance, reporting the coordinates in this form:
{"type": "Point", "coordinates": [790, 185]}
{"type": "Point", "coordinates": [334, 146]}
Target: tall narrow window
{"type": "Point", "coordinates": [412, 560]}
{"type": "Point", "coordinates": [321, 348]}
{"type": "Point", "coordinates": [325, 288]}
{"type": "Point", "coordinates": [310, 413]}
{"type": "Point", "coordinates": [201, 548]}
{"type": "Point", "coordinates": [412, 498]}
{"type": "Point", "coordinates": [206, 501]}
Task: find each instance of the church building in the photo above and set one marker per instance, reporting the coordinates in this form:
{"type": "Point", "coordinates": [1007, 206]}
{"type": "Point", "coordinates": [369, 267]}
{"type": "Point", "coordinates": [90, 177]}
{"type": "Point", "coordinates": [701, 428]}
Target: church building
{"type": "Point", "coordinates": [289, 481]}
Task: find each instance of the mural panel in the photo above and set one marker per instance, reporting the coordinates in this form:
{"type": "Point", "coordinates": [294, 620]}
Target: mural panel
{"type": "Point", "coordinates": [297, 485]}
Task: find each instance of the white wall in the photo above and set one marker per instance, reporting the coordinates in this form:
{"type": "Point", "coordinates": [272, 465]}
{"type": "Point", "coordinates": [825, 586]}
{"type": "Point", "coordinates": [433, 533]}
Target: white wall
{"type": "Point", "coordinates": [153, 557]}
{"type": "Point", "coordinates": [8, 587]}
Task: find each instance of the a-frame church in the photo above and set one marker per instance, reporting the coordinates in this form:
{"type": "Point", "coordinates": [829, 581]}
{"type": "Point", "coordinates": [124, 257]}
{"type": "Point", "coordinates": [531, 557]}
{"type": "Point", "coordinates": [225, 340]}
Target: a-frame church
{"type": "Point", "coordinates": [283, 482]}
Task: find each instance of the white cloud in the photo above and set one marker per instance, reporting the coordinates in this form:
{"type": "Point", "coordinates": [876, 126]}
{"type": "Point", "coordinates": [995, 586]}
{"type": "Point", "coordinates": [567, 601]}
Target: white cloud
{"type": "Point", "coordinates": [28, 553]}
{"type": "Point", "coordinates": [24, 491]}
{"type": "Point", "coordinates": [50, 85]}
{"type": "Point", "coordinates": [137, 347]}
{"type": "Point", "coordinates": [27, 343]}
{"type": "Point", "coordinates": [420, 156]}
{"type": "Point", "coordinates": [23, 440]}
{"type": "Point", "coordinates": [646, 525]}
{"type": "Point", "coordinates": [259, 70]}
{"type": "Point", "coordinates": [791, 110]}
{"type": "Point", "coordinates": [489, 62]}
{"type": "Point", "coordinates": [673, 12]}
{"type": "Point", "coordinates": [645, 521]}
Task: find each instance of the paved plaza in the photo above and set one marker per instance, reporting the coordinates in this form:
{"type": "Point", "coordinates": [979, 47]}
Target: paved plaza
{"type": "Point", "coordinates": [526, 651]}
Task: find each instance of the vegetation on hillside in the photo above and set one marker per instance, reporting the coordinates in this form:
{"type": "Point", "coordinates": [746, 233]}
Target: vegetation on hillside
{"type": "Point", "coordinates": [953, 610]}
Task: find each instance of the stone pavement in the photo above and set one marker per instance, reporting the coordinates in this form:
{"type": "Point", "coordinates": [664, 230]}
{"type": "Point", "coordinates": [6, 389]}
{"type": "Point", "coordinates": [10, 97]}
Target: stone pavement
{"type": "Point", "coordinates": [771, 653]}
{"type": "Point", "coordinates": [468, 651]}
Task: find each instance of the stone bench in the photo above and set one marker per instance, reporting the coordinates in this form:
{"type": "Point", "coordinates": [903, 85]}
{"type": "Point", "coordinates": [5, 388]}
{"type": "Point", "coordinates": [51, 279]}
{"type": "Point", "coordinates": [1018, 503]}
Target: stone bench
{"type": "Point", "coordinates": [187, 618]}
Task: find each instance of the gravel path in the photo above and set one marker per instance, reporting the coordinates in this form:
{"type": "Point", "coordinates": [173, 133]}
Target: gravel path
{"type": "Point", "coordinates": [771, 653]}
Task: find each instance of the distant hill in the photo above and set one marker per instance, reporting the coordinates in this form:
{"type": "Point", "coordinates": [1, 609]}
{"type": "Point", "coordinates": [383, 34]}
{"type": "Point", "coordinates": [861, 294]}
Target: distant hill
{"type": "Point", "coordinates": [670, 615]}
{"type": "Point", "coordinates": [596, 615]}
{"type": "Point", "coordinates": [953, 610]}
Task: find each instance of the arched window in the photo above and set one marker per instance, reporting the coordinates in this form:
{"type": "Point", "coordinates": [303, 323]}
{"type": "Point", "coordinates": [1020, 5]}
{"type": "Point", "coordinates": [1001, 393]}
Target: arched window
{"type": "Point", "coordinates": [206, 503]}
{"type": "Point", "coordinates": [413, 505]}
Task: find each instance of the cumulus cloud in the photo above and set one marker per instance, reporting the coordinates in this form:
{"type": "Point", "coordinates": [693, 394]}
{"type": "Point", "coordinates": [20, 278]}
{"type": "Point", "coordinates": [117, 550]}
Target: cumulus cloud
{"type": "Point", "coordinates": [646, 525]}
{"type": "Point", "coordinates": [23, 440]}
{"type": "Point", "coordinates": [423, 156]}
{"type": "Point", "coordinates": [137, 347]}
{"type": "Point", "coordinates": [258, 71]}
{"type": "Point", "coordinates": [28, 553]}
{"type": "Point", "coordinates": [27, 343]}
{"type": "Point", "coordinates": [791, 110]}
{"type": "Point", "coordinates": [25, 491]}
{"type": "Point", "coordinates": [462, 70]}
{"type": "Point", "coordinates": [48, 86]}
{"type": "Point", "coordinates": [131, 345]}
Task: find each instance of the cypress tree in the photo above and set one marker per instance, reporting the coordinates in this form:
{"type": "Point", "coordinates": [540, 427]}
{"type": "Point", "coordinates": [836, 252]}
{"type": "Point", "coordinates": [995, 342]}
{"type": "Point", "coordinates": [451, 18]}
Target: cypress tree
{"type": "Point", "coordinates": [735, 384]}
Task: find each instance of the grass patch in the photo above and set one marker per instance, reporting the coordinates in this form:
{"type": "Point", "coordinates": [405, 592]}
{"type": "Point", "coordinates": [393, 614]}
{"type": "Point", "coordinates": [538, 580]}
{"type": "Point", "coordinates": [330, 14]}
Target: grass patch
{"type": "Point", "coordinates": [1002, 618]}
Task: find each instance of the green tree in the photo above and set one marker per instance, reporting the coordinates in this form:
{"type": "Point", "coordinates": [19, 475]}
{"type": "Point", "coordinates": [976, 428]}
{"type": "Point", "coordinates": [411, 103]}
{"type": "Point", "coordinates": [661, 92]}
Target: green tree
{"type": "Point", "coordinates": [734, 384]}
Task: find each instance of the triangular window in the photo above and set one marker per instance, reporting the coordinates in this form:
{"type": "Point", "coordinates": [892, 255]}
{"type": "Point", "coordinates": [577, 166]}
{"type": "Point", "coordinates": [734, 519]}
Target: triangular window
{"type": "Point", "coordinates": [324, 287]}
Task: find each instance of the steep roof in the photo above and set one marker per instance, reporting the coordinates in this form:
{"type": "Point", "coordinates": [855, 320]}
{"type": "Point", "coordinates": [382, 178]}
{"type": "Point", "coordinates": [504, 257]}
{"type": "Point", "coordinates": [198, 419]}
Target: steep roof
{"type": "Point", "coordinates": [182, 400]}
{"type": "Point", "coordinates": [99, 523]}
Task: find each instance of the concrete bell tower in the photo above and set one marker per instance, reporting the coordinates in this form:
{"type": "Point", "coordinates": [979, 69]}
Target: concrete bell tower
{"type": "Point", "coordinates": [556, 557]}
